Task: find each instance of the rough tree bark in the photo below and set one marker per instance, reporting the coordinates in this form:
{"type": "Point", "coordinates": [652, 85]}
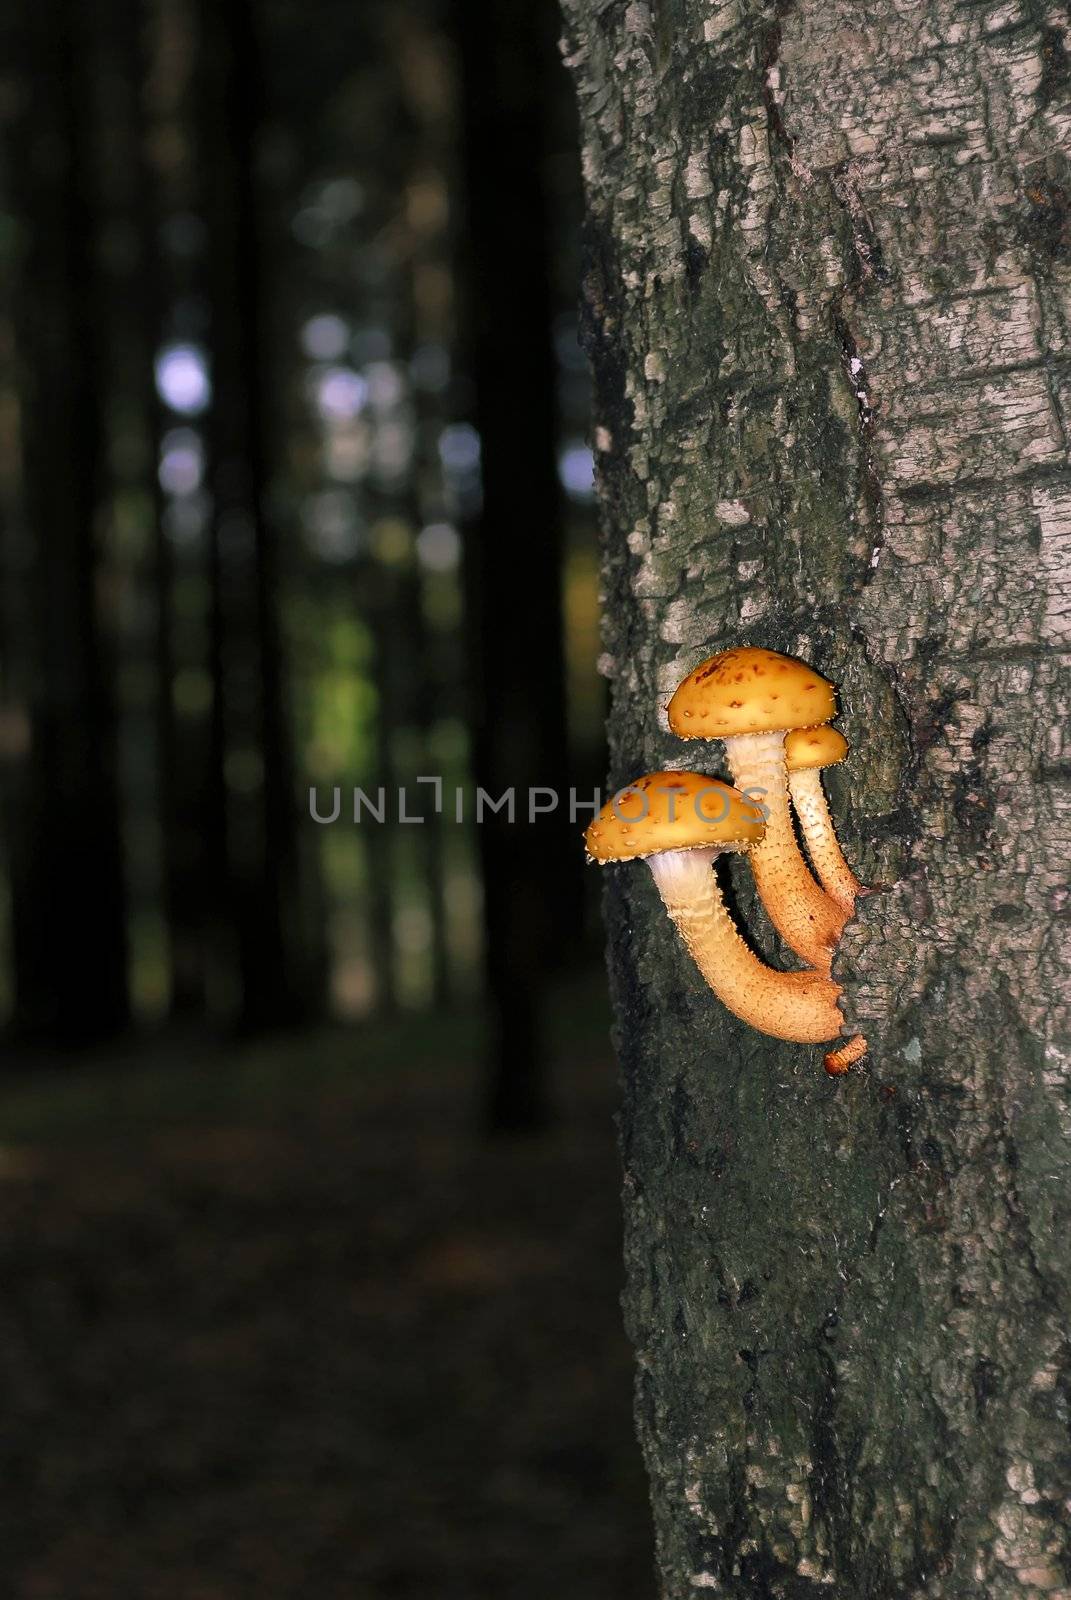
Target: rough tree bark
{"type": "Point", "coordinates": [828, 308]}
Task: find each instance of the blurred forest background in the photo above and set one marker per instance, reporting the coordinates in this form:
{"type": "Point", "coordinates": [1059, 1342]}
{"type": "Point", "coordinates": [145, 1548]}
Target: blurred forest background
{"type": "Point", "coordinates": [308, 1219]}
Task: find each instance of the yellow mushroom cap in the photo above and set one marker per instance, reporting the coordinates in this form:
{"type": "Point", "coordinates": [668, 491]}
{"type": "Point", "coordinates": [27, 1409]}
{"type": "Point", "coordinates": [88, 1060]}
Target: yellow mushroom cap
{"type": "Point", "coordinates": [814, 747]}
{"type": "Point", "coordinates": [673, 811]}
{"type": "Point", "coordinates": [749, 691]}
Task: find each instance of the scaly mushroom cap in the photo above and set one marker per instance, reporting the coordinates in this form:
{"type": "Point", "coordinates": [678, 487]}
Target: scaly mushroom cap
{"type": "Point", "coordinates": [749, 691]}
{"type": "Point", "coordinates": [673, 811]}
{"type": "Point", "coordinates": [806, 748]}
{"type": "Point", "coordinates": [681, 822]}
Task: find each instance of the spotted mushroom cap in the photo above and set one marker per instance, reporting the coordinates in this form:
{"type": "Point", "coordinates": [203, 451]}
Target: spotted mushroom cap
{"type": "Point", "coordinates": [814, 747]}
{"type": "Point", "coordinates": [749, 691]}
{"type": "Point", "coordinates": [673, 811]}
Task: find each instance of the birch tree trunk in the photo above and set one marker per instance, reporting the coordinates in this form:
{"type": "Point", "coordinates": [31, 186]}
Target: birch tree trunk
{"type": "Point", "coordinates": [828, 309]}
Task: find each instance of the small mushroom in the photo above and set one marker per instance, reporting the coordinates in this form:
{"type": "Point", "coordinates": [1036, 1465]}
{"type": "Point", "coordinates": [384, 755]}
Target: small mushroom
{"type": "Point", "coordinates": [750, 698]}
{"type": "Point", "coordinates": [837, 1062]}
{"type": "Point", "coordinates": [679, 822]}
{"type": "Point", "coordinates": [807, 751]}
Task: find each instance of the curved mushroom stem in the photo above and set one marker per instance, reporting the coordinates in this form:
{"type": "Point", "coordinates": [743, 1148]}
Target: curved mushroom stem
{"type": "Point", "coordinates": [827, 858]}
{"type": "Point", "coordinates": [838, 1061]}
{"type": "Point", "coordinates": [803, 914]}
{"type": "Point", "coordinates": [787, 1005]}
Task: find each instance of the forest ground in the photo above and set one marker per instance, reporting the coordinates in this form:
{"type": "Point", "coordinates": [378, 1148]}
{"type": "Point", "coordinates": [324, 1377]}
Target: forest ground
{"type": "Point", "coordinates": [281, 1322]}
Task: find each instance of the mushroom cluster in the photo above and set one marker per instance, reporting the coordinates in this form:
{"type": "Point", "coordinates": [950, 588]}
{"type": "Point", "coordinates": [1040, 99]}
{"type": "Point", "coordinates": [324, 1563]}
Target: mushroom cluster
{"type": "Point", "coordinates": [772, 714]}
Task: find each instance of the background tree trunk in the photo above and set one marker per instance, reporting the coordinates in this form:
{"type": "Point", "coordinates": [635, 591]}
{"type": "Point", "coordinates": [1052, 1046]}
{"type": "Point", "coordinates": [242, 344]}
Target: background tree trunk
{"type": "Point", "coordinates": [513, 545]}
{"type": "Point", "coordinates": [253, 818]}
{"type": "Point", "coordinates": [827, 306]}
{"type": "Point", "coordinates": [68, 923]}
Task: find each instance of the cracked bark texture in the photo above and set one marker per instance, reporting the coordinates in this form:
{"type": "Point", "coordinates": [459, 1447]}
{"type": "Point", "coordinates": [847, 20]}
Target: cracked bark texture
{"type": "Point", "coordinates": [828, 303]}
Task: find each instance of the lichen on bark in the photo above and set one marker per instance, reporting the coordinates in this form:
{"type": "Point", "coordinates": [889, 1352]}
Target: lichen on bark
{"type": "Point", "coordinates": [827, 301]}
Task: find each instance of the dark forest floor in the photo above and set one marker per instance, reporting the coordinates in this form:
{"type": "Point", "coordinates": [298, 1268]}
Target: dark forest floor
{"type": "Point", "coordinates": [281, 1323]}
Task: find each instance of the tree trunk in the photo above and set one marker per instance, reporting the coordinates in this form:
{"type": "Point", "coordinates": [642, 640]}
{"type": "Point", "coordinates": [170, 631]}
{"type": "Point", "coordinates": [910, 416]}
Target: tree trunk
{"type": "Point", "coordinates": [68, 900]}
{"type": "Point", "coordinates": [255, 822]}
{"type": "Point", "coordinates": [513, 546]}
{"type": "Point", "coordinates": [827, 307]}
{"type": "Point", "coordinates": [160, 98]}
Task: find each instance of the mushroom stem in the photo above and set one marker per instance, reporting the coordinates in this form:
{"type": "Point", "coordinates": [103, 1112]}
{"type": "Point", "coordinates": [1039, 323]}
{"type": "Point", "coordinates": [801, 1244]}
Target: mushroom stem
{"type": "Point", "coordinates": [823, 847]}
{"type": "Point", "coordinates": [803, 914]}
{"type": "Point", "coordinates": [787, 1005]}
